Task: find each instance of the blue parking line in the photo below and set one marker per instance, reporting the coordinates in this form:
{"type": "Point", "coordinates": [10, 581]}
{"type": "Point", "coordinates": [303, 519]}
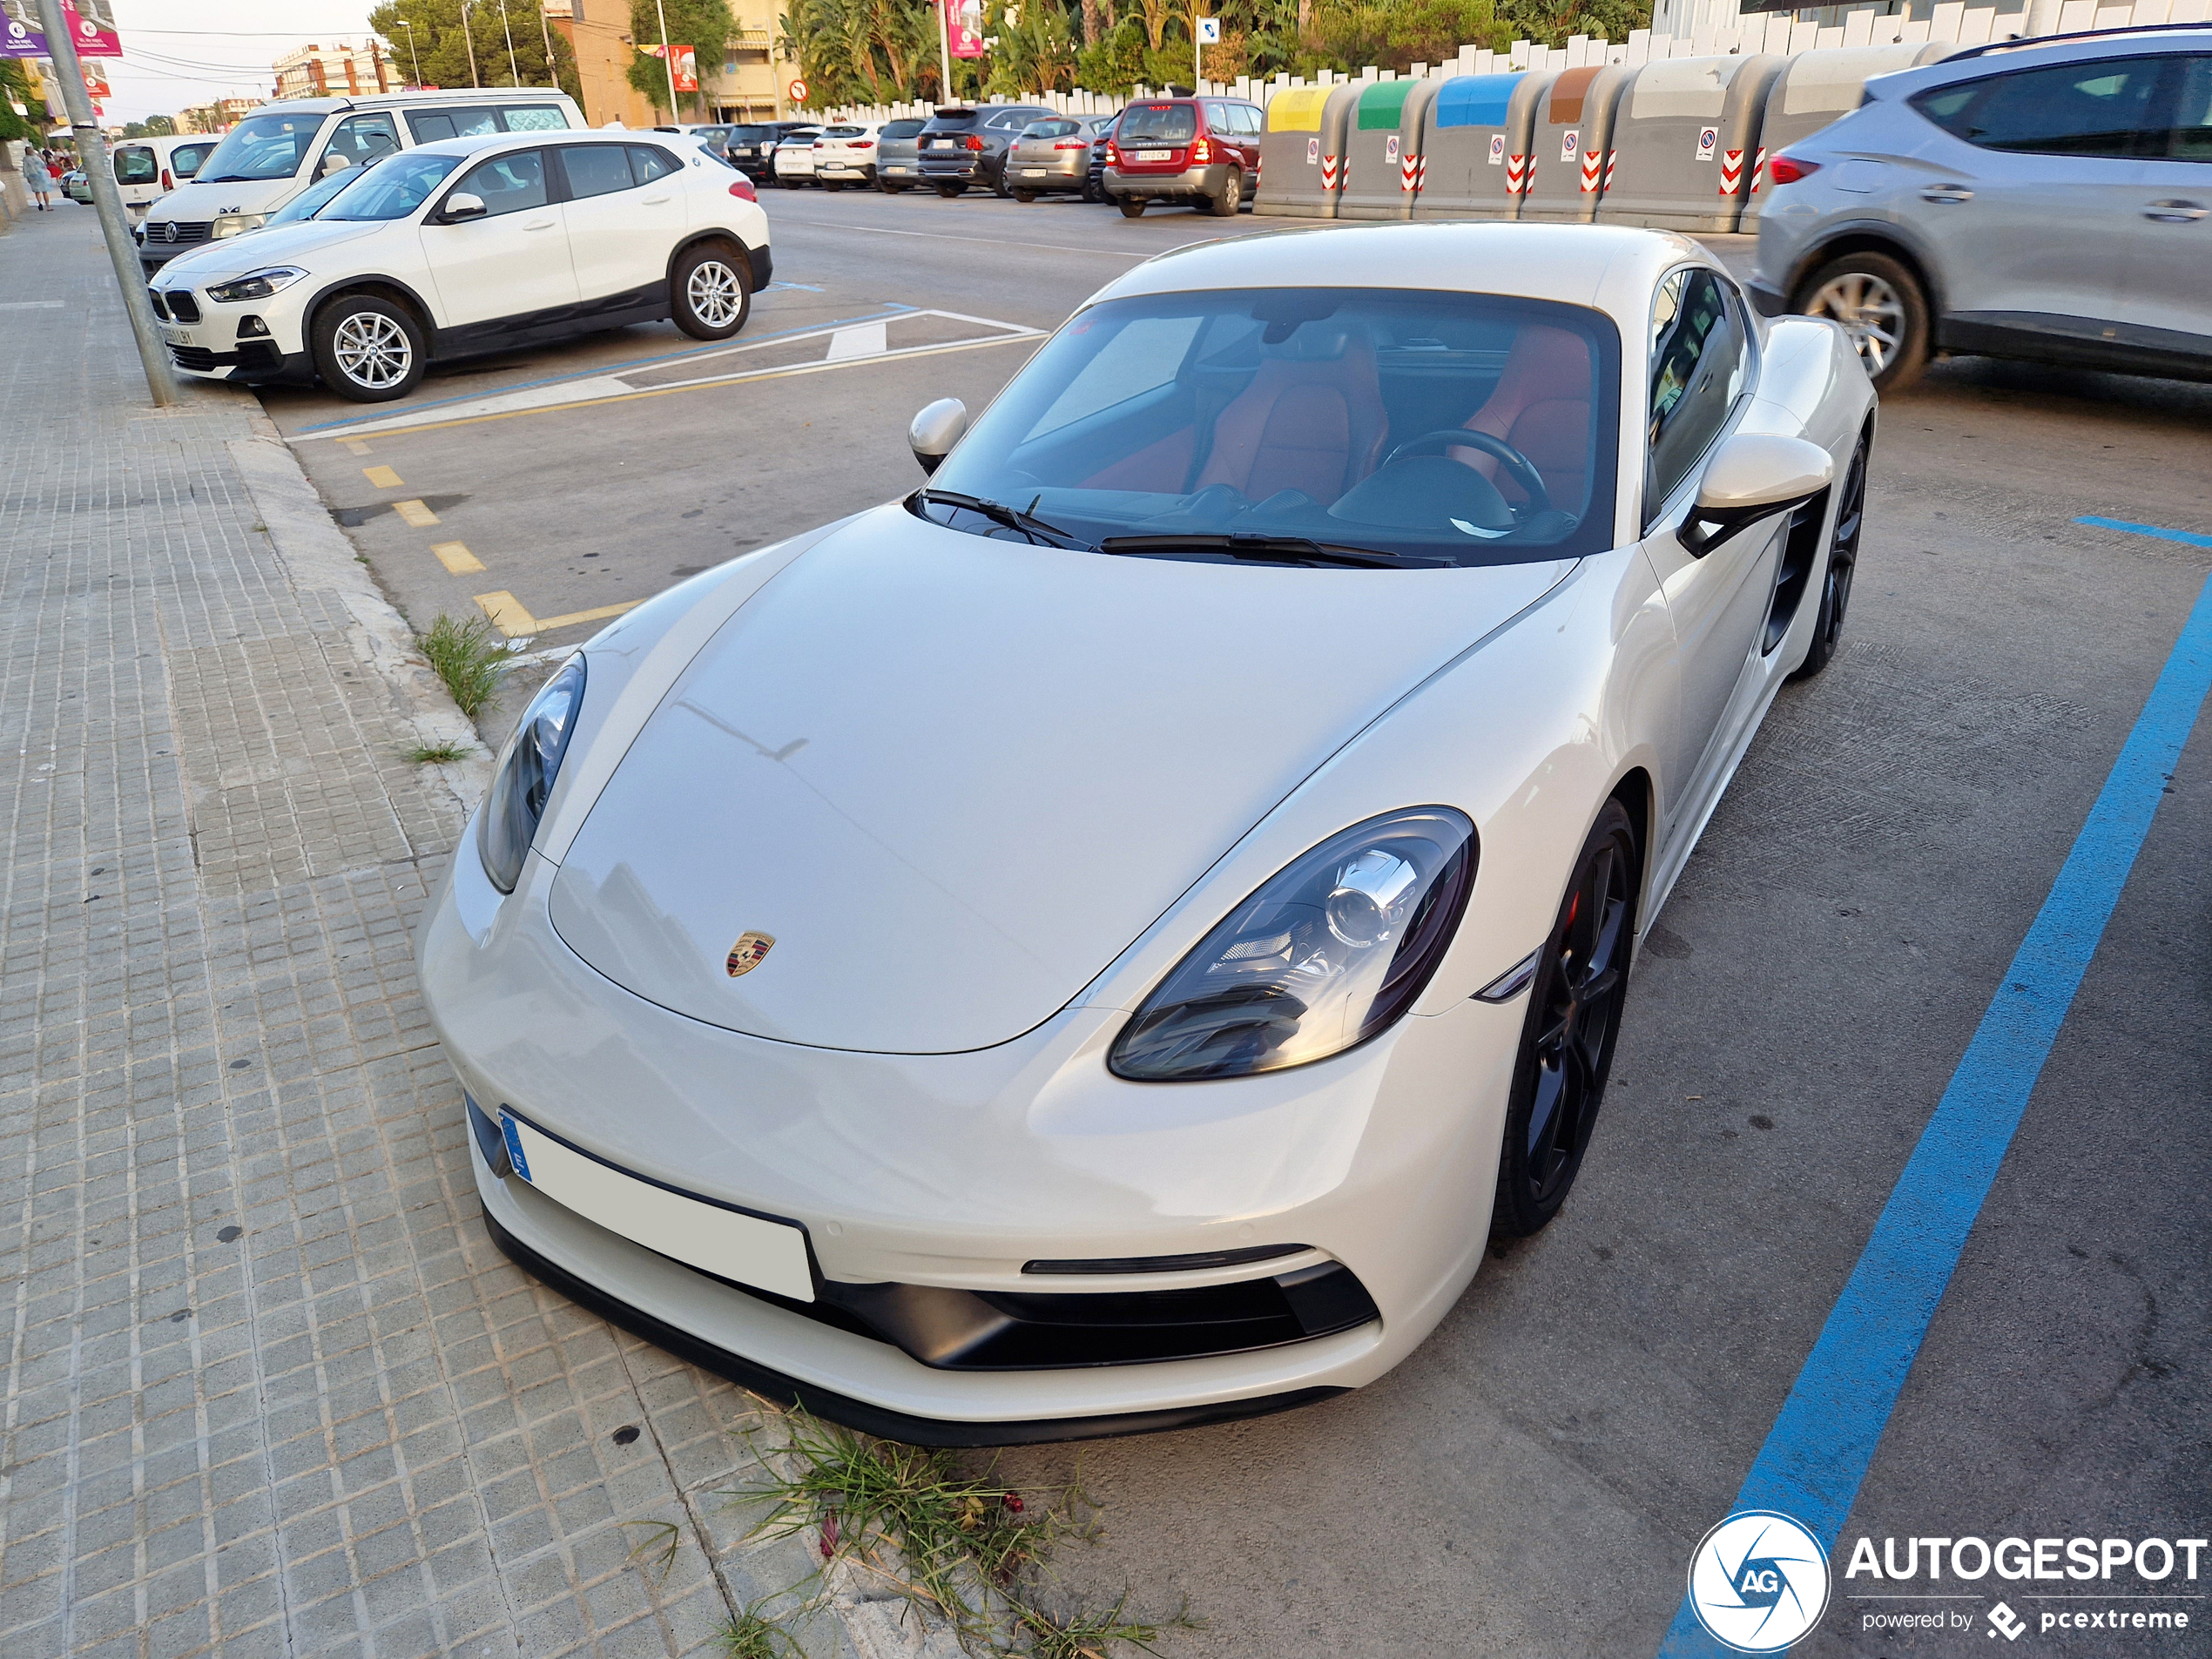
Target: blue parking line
{"type": "Point", "coordinates": [2188, 538]}
{"type": "Point", "coordinates": [887, 309]}
{"type": "Point", "coordinates": [1823, 1439]}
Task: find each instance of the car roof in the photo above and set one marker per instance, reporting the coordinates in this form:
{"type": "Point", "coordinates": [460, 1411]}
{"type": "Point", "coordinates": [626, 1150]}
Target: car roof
{"type": "Point", "coordinates": [404, 100]}
{"type": "Point", "coordinates": [1609, 268]}
{"type": "Point", "coordinates": [480, 141]}
{"type": "Point", "coordinates": [2002, 57]}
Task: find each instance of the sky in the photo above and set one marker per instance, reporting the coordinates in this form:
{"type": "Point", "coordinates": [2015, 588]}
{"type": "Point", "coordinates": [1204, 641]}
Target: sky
{"type": "Point", "coordinates": [175, 56]}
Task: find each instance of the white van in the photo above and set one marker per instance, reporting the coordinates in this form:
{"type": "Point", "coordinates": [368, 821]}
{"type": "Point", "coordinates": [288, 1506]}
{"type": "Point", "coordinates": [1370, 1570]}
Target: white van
{"type": "Point", "coordinates": [148, 169]}
{"type": "Point", "coordinates": [280, 149]}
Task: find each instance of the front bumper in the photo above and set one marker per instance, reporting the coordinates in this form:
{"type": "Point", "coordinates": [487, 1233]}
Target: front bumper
{"type": "Point", "coordinates": [1205, 181]}
{"type": "Point", "coordinates": [211, 347]}
{"type": "Point", "coordinates": [987, 1162]}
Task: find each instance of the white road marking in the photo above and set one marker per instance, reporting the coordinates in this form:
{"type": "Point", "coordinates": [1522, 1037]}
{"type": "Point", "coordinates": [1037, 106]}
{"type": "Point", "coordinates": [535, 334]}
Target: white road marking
{"type": "Point", "coordinates": [861, 340]}
{"type": "Point", "coordinates": [30, 305]}
{"type": "Point", "coordinates": [995, 241]}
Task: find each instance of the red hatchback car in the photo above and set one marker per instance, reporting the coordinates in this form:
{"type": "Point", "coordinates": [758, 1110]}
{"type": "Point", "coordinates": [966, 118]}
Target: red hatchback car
{"type": "Point", "coordinates": [1203, 150]}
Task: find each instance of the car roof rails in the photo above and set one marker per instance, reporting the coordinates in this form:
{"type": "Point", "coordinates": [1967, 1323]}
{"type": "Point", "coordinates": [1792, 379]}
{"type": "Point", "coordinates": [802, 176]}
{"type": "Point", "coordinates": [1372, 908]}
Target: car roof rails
{"type": "Point", "coordinates": [2021, 41]}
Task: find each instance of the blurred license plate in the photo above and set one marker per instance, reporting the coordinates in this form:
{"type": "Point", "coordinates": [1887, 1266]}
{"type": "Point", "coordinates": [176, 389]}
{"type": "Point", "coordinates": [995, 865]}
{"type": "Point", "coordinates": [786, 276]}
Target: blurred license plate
{"type": "Point", "coordinates": [176, 336]}
{"type": "Point", "coordinates": [1033, 173]}
{"type": "Point", "coordinates": [1154, 155]}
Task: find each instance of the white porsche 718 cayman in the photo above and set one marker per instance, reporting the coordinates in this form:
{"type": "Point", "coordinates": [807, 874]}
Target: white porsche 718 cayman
{"type": "Point", "coordinates": [1099, 944]}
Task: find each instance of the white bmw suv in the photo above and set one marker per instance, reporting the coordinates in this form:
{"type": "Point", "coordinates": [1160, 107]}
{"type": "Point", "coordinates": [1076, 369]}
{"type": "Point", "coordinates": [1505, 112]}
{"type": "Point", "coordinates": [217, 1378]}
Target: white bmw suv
{"type": "Point", "coordinates": [473, 245]}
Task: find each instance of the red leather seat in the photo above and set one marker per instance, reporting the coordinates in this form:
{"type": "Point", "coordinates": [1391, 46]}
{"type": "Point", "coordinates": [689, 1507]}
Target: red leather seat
{"type": "Point", "coordinates": [1541, 406]}
{"type": "Point", "coordinates": [1310, 423]}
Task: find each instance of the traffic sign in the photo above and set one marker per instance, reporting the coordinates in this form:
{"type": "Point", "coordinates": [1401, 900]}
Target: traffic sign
{"type": "Point", "coordinates": [797, 91]}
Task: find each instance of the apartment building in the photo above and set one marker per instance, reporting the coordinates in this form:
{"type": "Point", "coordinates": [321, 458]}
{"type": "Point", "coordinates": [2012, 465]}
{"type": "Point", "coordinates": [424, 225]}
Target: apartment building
{"type": "Point", "coordinates": [331, 71]}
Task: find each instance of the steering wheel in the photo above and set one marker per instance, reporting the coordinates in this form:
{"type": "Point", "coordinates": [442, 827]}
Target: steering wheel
{"type": "Point", "coordinates": [1515, 463]}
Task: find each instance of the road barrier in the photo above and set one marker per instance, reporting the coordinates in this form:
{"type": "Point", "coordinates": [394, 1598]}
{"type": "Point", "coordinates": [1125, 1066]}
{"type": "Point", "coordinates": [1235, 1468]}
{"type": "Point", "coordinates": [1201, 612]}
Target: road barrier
{"type": "Point", "coordinates": [1301, 154]}
{"type": "Point", "coordinates": [1473, 129]}
{"type": "Point", "coordinates": [1816, 88]}
{"type": "Point", "coordinates": [1568, 144]}
{"type": "Point", "coordinates": [1683, 135]}
{"type": "Point", "coordinates": [1383, 150]}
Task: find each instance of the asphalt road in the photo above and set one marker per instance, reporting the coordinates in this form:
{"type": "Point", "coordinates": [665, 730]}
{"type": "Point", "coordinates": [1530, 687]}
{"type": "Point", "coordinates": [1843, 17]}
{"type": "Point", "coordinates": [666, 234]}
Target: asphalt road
{"type": "Point", "coordinates": [1534, 1480]}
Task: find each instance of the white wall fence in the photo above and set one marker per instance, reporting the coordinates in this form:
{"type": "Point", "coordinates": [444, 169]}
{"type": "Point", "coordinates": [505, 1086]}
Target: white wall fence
{"type": "Point", "coordinates": [1710, 33]}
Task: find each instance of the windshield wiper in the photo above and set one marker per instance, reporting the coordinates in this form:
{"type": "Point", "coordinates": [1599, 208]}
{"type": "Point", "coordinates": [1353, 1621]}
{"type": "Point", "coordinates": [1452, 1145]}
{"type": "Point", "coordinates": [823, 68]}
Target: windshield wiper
{"type": "Point", "coordinates": [239, 179]}
{"type": "Point", "coordinates": [1272, 549]}
{"type": "Point", "coordinates": [1014, 518]}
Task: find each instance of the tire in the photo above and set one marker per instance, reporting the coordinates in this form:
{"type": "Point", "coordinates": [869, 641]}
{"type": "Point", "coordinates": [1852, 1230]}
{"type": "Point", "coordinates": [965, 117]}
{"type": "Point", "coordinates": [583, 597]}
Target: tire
{"type": "Point", "coordinates": [1131, 207]}
{"type": "Point", "coordinates": [1882, 305]}
{"type": "Point", "coordinates": [1842, 565]}
{"type": "Point", "coordinates": [950, 191]}
{"type": "Point", "coordinates": [1025, 197]}
{"type": "Point", "coordinates": [368, 350]}
{"type": "Point", "coordinates": [710, 293]}
{"type": "Point", "coordinates": [999, 188]}
{"type": "Point", "coordinates": [1573, 1019]}
{"type": "Point", "coordinates": [1225, 205]}
{"type": "Point", "coordinates": [832, 184]}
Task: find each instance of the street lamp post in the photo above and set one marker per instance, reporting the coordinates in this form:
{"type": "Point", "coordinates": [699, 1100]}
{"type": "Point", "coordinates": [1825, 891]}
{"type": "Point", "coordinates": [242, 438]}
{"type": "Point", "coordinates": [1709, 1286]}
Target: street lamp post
{"type": "Point", "coordinates": [475, 79]}
{"type": "Point", "coordinates": [668, 62]}
{"type": "Point", "coordinates": [514, 72]}
{"type": "Point", "coordinates": [552, 70]}
{"type": "Point", "coordinates": [411, 58]}
{"type": "Point", "coordinates": [107, 202]}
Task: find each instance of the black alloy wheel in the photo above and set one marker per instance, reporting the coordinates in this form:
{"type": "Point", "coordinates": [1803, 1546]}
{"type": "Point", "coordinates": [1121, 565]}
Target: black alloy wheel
{"type": "Point", "coordinates": [1843, 564]}
{"type": "Point", "coordinates": [1231, 197]}
{"type": "Point", "coordinates": [999, 188]}
{"type": "Point", "coordinates": [1567, 1041]}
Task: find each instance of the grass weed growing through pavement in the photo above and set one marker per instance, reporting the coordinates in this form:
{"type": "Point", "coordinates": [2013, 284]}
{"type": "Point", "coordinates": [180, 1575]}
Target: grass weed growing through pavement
{"type": "Point", "coordinates": [961, 1548]}
{"type": "Point", "coordinates": [470, 658]}
{"type": "Point", "coordinates": [437, 754]}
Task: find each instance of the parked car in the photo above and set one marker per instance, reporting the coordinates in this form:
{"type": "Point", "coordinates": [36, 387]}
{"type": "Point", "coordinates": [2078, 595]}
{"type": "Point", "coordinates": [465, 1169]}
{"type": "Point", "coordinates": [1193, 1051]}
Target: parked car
{"type": "Point", "coordinates": [1222, 1125]}
{"type": "Point", "coordinates": [77, 187]}
{"type": "Point", "coordinates": [312, 200]}
{"type": "Point", "coordinates": [148, 169]}
{"type": "Point", "coordinates": [1100, 128]}
{"type": "Point", "coordinates": [1049, 156]}
{"type": "Point", "coordinates": [752, 146]}
{"type": "Point", "coordinates": [714, 134]}
{"type": "Point", "coordinates": [471, 245]}
{"type": "Point", "coordinates": [845, 154]}
{"type": "Point", "coordinates": [280, 149]}
{"type": "Point", "coordinates": [2039, 199]}
{"type": "Point", "coordinates": [898, 163]}
{"type": "Point", "coordinates": [962, 145]}
{"type": "Point", "coordinates": [794, 157]}
{"type": "Point", "coordinates": [1202, 150]}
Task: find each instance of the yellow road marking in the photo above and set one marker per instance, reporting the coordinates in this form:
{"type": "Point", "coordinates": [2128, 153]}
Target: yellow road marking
{"type": "Point", "coordinates": [357, 445]}
{"type": "Point", "coordinates": [456, 558]}
{"type": "Point", "coordinates": [509, 616]}
{"type": "Point", "coordinates": [382, 477]}
{"type": "Point", "coordinates": [412, 511]}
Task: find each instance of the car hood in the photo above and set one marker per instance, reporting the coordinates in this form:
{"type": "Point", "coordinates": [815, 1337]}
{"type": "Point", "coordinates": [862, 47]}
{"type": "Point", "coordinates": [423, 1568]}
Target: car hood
{"type": "Point", "coordinates": [297, 244]}
{"type": "Point", "coordinates": [953, 778]}
{"type": "Point", "coordinates": [195, 201]}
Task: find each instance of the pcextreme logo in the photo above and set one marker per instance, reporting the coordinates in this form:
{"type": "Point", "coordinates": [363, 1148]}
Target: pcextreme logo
{"type": "Point", "coordinates": [1758, 1582]}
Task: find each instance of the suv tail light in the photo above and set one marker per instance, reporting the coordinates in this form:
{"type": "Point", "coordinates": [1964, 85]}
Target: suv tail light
{"type": "Point", "coordinates": [1201, 152]}
{"type": "Point", "coordinates": [1787, 170]}
{"type": "Point", "coordinates": [861, 143]}
{"type": "Point", "coordinates": [743, 191]}
{"type": "Point", "coordinates": [975, 143]}
{"type": "Point", "coordinates": [1113, 154]}
{"type": "Point", "coordinates": [167, 183]}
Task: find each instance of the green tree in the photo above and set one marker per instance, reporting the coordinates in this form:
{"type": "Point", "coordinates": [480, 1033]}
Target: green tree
{"type": "Point", "coordinates": [1550, 22]}
{"type": "Point", "coordinates": [1396, 34]}
{"type": "Point", "coordinates": [1035, 50]}
{"type": "Point", "coordinates": [704, 25]}
{"type": "Point", "coordinates": [863, 51]}
{"type": "Point", "coordinates": [429, 35]}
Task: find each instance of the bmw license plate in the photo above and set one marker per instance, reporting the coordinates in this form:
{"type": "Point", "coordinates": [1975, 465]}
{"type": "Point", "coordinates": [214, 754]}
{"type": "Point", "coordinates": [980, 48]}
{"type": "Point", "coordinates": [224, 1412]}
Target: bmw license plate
{"type": "Point", "coordinates": [175, 335]}
{"type": "Point", "coordinates": [753, 1250]}
{"type": "Point", "coordinates": [1154, 155]}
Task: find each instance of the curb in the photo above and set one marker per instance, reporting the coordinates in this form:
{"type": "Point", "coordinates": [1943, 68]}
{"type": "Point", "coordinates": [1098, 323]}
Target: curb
{"type": "Point", "coordinates": [318, 556]}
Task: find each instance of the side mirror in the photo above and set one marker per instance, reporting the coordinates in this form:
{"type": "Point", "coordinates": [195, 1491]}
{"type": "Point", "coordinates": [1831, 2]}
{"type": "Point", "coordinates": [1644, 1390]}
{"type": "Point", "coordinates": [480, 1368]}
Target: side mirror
{"type": "Point", "coordinates": [935, 430]}
{"type": "Point", "coordinates": [1752, 477]}
{"type": "Point", "coordinates": [459, 205]}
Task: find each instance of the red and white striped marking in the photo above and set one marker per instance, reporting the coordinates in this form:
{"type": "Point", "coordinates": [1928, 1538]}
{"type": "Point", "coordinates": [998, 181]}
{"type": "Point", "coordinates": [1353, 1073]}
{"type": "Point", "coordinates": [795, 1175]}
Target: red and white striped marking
{"type": "Point", "coordinates": [1612, 161]}
{"type": "Point", "coordinates": [1410, 169]}
{"type": "Point", "coordinates": [1591, 170]}
{"type": "Point", "coordinates": [1517, 178]}
{"type": "Point", "coordinates": [1758, 171]}
{"type": "Point", "coordinates": [1333, 172]}
{"type": "Point", "coordinates": [1731, 171]}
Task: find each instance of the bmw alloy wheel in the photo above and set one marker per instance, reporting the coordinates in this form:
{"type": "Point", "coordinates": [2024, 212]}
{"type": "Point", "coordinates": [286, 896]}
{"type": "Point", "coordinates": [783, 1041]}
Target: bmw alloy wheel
{"type": "Point", "coordinates": [372, 351]}
{"type": "Point", "coordinates": [716, 297]}
{"type": "Point", "coordinates": [1871, 311]}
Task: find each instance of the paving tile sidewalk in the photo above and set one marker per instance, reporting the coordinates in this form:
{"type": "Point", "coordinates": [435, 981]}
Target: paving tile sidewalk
{"type": "Point", "coordinates": [268, 1387]}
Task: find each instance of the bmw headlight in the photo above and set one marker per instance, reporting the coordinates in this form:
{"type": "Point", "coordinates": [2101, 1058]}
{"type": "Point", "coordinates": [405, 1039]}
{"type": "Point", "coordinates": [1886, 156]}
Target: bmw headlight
{"type": "Point", "coordinates": [229, 225]}
{"type": "Point", "coordinates": [524, 780]}
{"type": "Point", "coordinates": [256, 285]}
{"type": "Point", "coordinates": [1326, 955]}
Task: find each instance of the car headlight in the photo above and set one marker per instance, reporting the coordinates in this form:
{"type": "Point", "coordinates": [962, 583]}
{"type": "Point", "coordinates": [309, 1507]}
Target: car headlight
{"type": "Point", "coordinates": [1326, 955]}
{"type": "Point", "coordinates": [256, 285]}
{"type": "Point", "coordinates": [524, 780]}
{"type": "Point", "coordinates": [236, 225]}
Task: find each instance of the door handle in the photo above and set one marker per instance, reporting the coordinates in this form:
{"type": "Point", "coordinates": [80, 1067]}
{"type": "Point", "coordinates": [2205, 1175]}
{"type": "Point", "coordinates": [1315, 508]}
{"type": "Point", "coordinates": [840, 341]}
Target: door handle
{"type": "Point", "coordinates": [2174, 212]}
{"type": "Point", "coordinates": [541, 225]}
{"type": "Point", "coordinates": [1947, 193]}
{"type": "Point", "coordinates": [655, 201]}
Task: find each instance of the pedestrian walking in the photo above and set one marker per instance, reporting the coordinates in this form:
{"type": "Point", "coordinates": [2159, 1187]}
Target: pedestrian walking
{"type": "Point", "coordinates": [36, 178]}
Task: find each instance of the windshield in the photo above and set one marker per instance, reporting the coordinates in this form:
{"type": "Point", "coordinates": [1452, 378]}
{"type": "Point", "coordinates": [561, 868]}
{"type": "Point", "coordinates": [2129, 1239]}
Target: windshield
{"type": "Point", "coordinates": [261, 146]}
{"type": "Point", "coordinates": [1464, 427]}
{"type": "Point", "coordinates": [304, 205]}
{"type": "Point", "coordinates": [392, 189]}
{"type": "Point", "coordinates": [1159, 124]}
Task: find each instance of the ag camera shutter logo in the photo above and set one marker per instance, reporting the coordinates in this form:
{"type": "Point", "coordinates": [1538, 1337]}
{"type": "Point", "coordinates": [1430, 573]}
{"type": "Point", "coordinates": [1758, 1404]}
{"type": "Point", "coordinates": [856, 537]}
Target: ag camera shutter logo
{"type": "Point", "coordinates": [1758, 1582]}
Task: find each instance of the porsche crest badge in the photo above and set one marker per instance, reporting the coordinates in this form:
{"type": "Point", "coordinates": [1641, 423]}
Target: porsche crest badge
{"type": "Point", "coordinates": [750, 951]}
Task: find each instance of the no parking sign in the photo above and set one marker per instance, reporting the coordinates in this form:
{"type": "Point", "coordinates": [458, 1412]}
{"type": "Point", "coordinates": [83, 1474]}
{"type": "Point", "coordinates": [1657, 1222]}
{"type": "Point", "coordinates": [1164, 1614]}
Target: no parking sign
{"type": "Point", "coordinates": [1569, 141]}
{"type": "Point", "coordinates": [1497, 149]}
{"type": "Point", "coordinates": [1312, 152]}
{"type": "Point", "coordinates": [1390, 149]}
{"type": "Point", "coordinates": [1707, 137]}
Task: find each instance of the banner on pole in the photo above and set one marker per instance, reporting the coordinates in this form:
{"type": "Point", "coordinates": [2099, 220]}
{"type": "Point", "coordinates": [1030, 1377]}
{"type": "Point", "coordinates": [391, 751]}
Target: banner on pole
{"type": "Point", "coordinates": [964, 27]}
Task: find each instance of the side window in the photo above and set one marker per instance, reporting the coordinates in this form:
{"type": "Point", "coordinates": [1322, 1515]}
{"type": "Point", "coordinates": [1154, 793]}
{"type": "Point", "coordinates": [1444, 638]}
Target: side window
{"type": "Point", "coordinates": [649, 162]}
{"type": "Point", "coordinates": [1698, 369]}
{"type": "Point", "coordinates": [2106, 107]}
{"type": "Point", "coordinates": [596, 169]}
{"type": "Point", "coordinates": [429, 125]}
{"type": "Point", "coordinates": [2190, 137]}
{"type": "Point", "coordinates": [507, 184]}
{"type": "Point", "coordinates": [534, 117]}
{"type": "Point", "coordinates": [356, 140]}
{"type": "Point", "coordinates": [185, 160]}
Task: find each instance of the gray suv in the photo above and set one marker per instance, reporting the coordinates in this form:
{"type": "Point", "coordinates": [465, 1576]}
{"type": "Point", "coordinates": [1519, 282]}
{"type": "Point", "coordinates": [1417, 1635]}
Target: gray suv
{"type": "Point", "coordinates": [962, 146]}
{"type": "Point", "coordinates": [2048, 199]}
